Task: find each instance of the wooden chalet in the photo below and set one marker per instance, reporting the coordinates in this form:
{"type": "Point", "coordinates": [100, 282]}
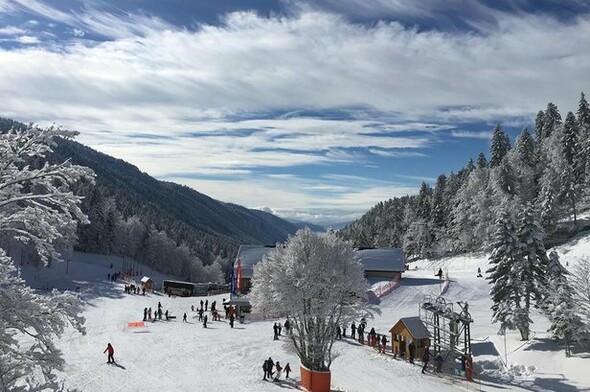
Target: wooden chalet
{"type": "Point", "coordinates": [407, 330]}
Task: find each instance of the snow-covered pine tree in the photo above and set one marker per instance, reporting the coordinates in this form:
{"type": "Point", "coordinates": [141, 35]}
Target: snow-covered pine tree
{"type": "Point", "coordinates": [583, 119]}
{"type": "Point", "coordinates": [35, 202]}
{"type": "Point", "coordinates": [530, 267]}
{"type": "Point", "coordinates": [318, 282]}
{"type": "Point", "coordinates": [499, 147]}
{"type": "Point", "coordinates": [580, 282]}
{"type": "Point", "coordinates": [524, 160]}
{"type": "Point", "coordinates": [571, 174]}
{"type": "Point", "coordinates": [482, 162]}
{"type": "Point", "coordinates": [559, 306]}
{"type": "Point", "coordinates": [539, 126]}
{"type": "Point", "coordinates": [551, 119]}
{"type": "Point", "coordinates": [506, 290]}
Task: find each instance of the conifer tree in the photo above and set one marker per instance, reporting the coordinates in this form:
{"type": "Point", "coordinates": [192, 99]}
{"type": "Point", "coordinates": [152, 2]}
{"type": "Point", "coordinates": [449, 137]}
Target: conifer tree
{"type": "Point", "coordinates": [531, 266]}
{"type": "Point", "coordinates": [500, 146]}
{"type": "Point", "coordinates": [505, 291]}
{"type": "Point", "coordinates": [559, 304]}
{"type": "Point", "coordinates": [571, 173]}
{"type": "Point", "coordinates": [583, 119]}
{"type": "Point", "coordinates": [539, 126]}
{"type": "Point", "coordinates": [551, 119]}
{"type": "Point", "coordinates": [482, 162]}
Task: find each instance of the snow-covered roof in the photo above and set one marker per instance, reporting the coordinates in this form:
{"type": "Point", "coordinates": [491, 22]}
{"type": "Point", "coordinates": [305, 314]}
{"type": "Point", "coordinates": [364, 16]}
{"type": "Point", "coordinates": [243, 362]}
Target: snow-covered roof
{"type": "Point", "coordinates": [146, 279]}
{"type": "Point", "coordinates": [384, 259]}
{"type": "Point", "coordinates": [250, 255]}
{"type": "Point", "coordinates": [415, 327]}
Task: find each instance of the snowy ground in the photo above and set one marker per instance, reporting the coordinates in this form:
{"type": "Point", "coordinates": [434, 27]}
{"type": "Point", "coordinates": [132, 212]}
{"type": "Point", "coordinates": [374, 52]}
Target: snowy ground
{"type": "Point", "coordinates": [177, 356]}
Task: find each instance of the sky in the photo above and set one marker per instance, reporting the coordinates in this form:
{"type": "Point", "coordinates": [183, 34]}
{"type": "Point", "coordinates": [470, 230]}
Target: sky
{"type": "Point", "coordinates": [313, 110]}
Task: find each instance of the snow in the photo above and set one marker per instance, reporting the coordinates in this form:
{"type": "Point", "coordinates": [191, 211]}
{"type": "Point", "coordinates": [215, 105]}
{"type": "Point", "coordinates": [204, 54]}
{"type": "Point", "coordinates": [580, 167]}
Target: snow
{"type": "Point", "coordinates": [177, 356]}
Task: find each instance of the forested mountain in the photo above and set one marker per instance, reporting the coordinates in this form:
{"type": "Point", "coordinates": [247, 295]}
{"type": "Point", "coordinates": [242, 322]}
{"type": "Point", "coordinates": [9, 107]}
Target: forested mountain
{"type": "Point", "coordinates": [549, 171]}
{"type": "Point", "coordinates": [135, 215]}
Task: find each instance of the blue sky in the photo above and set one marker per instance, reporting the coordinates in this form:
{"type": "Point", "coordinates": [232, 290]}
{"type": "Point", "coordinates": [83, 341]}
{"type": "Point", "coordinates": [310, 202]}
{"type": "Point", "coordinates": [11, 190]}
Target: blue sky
{"type": "Point", "coordinates": [315, 110]}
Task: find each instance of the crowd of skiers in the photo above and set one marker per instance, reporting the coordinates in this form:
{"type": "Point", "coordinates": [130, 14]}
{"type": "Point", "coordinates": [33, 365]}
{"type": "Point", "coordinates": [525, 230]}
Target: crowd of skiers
{"type": "Point", "coordinates": [270, 369]}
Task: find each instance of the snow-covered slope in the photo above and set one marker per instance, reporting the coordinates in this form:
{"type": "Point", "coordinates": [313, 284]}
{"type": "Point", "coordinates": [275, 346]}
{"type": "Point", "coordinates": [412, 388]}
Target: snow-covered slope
{"type": "Point", "coordinates": [177, 356]}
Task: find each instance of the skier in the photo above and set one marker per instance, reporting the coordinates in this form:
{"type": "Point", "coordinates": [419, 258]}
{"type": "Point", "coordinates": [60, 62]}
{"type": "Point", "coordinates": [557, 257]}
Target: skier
{"type": "Point", "coordinates": [287, 370]}
{"type": "Point", "coordinates": [425, 359]}
{"type": "Point", "coordinates": [192, 308]}
{"type": "Point", "coordinates": [206, 304]}
{"type": "Point", "coordinates": [111, 352]}
{"type": "Point", "coordinates": [166, 314]}
{"type": "Point", "coordinates": [149, 313]}
{"type": "Point", "coordinates": [231, 320]}
{"type": "Point", "coordinates": [201, 314]}
{"type": "Point", "coordinates": [383, 344]}
{"type": "Point", "coordinates": [344, 331]}
{"type": "Point", "coordinates": [205, 321]}
{"type": "Point", "coordinates": [279, 326]}
{"type": "Point", "coordinates": [439, 273]}
{"type": "Point", "coordinates": [201, 304]}
{"type": "Point", "coordinates": [275, 330]}
{"type": "Point", "coordinates": [287, 325]}
{"type": "Point", "coordinates": [184, 318]}
{"type": "Point", "coordinates": [479, 275]}
{"type": "Point", "coordinates": [145, 310]}
{"type": "Point", "coordinates": [278, 368]}
{"type": "Point", "coordinates": [353, 330]}
{"type": "Point", "coordinates": [338, 333]}
{"type": "Point", "coordinates": [412, 350]}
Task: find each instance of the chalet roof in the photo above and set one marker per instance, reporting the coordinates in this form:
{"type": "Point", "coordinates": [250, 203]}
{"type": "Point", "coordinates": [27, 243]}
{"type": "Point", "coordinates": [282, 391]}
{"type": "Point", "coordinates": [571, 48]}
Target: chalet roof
{"type": "Point", "coordinates": [414, 326]}
{"type": "Point", "coordinates": [384, 259]}
{"type": "Point", "coordinates": [146, 279]}
{"type": "Point", "coordinates": [250, 255]}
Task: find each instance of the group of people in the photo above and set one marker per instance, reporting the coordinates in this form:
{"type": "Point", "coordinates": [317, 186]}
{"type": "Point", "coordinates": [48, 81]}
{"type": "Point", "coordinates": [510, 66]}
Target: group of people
{"type": "Point", "coordinates": [270, 368]}
{"type": "Point", "coordinates": [133, 289]}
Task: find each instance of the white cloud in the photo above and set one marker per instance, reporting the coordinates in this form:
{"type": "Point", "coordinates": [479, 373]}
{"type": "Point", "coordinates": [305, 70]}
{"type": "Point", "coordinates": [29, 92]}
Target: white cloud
{"type": "Point", "coordinates": [189, 89]}
{"type": "Point", "coordinates": [485, 135]}
{"type": "Point", "coordinates": [11, 30]}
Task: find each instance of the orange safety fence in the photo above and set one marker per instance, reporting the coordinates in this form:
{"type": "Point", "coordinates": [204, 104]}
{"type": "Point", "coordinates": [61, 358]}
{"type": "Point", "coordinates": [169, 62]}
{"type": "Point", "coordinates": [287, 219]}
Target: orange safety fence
{"type": "Point", "coordinates": [134, 324]}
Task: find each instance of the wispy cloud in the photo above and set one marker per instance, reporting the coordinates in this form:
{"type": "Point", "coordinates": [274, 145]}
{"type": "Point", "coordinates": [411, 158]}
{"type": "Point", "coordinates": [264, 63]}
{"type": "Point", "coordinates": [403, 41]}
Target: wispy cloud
{"type": "Point", "coordinates": [11, 30]}
{"type": "Point", "coordinates": [485, 135]}
{"type": "Point", "coordinates": [196, 91]}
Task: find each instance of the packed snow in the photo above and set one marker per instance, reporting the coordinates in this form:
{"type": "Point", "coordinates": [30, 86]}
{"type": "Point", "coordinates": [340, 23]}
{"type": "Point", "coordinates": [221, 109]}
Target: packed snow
{"type": "Point", "coordinates": [177, 356]}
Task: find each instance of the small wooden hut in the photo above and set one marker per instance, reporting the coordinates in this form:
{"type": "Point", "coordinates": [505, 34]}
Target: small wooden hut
{"type": "Point", "coordinates": [147, 283]}
{"type": "Point", "coordinates": [406, 331]}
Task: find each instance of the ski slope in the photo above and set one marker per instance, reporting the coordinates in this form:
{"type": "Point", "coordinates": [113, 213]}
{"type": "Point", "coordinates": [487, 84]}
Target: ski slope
{"type": "Point", "coordinates": [177, 356]}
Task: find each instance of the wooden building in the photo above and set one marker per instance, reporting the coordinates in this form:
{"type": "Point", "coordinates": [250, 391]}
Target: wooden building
{"type": "Point", "coordinates": [406, 331]}
{"type": "Point", "coordinates": [387, 263]}
{"type": "Point", "coordinates": [147, 283]}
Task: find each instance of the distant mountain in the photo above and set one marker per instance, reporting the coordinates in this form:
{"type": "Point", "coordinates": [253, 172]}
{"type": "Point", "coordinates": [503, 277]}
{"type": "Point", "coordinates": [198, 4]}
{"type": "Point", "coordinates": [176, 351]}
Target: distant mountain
{"type": "Point", "coordinates": [302, 224]}
{"type": "Point", "coordinates": [208, 226]}
{"type": "Point", "coordinates": [172, 206]}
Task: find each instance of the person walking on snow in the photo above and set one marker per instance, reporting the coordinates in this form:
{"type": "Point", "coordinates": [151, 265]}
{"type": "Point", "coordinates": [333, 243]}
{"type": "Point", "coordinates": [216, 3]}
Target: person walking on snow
{"type": "Point", "coordinates": [425, 359]}
{"type": "Point", "coordinates": [205, 321]}
{"type": "Point", "coordinates": [184, 318]}
{"type": "Point", "coordinates": [111, 352]}
{"type": "Point", "coordinates": [206, 304]}
{"type": "Point", "coordinates": [353, 330]}
{"type": "Point", "coordinates": [278, 371]}
{"type": "Point", "coordinates": [287, 370]}
{"type": "Point", "coordinates": [231, 320]}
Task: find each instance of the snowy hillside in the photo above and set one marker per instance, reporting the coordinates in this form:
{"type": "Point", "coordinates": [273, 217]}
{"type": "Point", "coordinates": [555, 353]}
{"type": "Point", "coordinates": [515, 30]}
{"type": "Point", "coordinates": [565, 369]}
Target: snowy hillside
{"type": "Point", "coordinates": [177, 356]}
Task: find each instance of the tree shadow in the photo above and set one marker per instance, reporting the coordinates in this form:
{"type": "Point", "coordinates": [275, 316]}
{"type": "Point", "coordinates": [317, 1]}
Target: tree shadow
{"type": "Point", "coordinates": [543, 344]}
{"type": "Point", "coordinates": [420, 281]}
{"type": "Point", "coordinates": [484, 348]}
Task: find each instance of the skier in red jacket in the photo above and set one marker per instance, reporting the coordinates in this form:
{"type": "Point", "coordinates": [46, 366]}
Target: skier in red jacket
{"type": "Point", "coordinates": [111, 351]}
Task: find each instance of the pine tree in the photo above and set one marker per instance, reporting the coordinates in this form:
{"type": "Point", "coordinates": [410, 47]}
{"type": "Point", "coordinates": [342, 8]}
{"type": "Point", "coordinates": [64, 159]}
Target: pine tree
{"type": "Point", "coordinates": [524, 160]}
{"type": "Point", "coordinates": [583, 119]}
{"type": "Point", "coordinates": [559, 304]}
{"type": "Point", "coordinates": [571, 173]}
{"type": "Point", "coordinates": [569, 139]}
{"type": "Point", "coordinates": [505, 291]}
{"type": "Point", "coordinates": [531, 265]}
{"type": "Point", "coordinates": [482, 162]}
{"type": "Point", "coordinates": [539, 126]}
{"type": "Point", "coordinates": [551, 119]}
{"type": "Point", "coordinates": [500, 146]}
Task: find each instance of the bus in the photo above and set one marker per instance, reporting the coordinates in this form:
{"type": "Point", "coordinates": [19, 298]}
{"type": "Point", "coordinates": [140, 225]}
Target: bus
{"type": "Point", "coordinates": [181, 289]}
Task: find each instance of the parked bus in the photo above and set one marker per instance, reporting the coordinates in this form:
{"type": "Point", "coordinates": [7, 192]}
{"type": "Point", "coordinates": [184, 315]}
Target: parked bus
{"type": "Point", "coordinates": [182, 289]}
